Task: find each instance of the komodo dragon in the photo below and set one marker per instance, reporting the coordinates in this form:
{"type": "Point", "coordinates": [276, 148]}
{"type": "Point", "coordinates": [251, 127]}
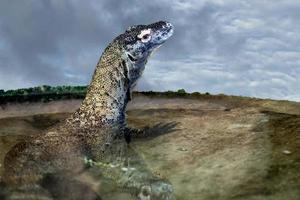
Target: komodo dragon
{"type": "Point", "coordinates": [96, 130]}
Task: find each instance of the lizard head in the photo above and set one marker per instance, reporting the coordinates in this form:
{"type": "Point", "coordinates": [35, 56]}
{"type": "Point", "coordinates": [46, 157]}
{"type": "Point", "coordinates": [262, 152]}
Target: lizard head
{"type": "Point", "coordinates": [139, 41]}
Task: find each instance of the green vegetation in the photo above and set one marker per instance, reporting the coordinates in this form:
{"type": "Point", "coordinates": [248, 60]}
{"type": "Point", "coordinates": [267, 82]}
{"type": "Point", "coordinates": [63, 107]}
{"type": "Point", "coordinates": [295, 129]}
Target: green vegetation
{"type": "Point", "coordinates": [42, 93]}
{"type": "Point", "coordinates": [44, 89]}
{"type": "Point", "coordinates": [47, 93]}
{"type": "Point", "coordinates": [181, 91]}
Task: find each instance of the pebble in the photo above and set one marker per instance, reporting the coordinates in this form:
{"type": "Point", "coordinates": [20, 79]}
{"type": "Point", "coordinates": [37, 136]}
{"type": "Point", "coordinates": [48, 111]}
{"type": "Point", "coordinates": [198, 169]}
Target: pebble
{"type": "Point", "coordinates": [182, 149]}
{"type": "Point", "coordinates": [286, 152]}
{"type": "Point", "coordinates": [125, 169]}
{"type": "Point", "coordinates": [113, 166]}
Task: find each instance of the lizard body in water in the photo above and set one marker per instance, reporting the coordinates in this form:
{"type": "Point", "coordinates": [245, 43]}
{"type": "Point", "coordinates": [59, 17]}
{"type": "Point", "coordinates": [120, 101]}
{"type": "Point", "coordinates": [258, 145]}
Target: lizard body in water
{"type": "Point", "coordinates": [96, 128]}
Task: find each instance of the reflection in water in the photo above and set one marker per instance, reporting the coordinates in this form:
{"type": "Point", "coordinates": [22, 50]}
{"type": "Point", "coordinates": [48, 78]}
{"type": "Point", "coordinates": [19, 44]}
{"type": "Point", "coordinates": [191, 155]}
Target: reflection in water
{"type": "Point", "coordinates": [62, 165]}
{"type": "Point", "coordinates": [210, 149]}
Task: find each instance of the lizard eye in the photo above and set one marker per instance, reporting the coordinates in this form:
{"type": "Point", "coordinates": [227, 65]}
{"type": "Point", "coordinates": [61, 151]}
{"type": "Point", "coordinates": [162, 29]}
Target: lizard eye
{"type": "Point", "coordinates": [145, 36]}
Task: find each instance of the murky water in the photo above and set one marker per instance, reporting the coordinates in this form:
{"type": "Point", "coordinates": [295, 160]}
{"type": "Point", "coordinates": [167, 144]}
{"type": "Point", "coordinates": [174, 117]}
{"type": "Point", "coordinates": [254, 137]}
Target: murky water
{"type": "Point", "coordinates": [196, 154]}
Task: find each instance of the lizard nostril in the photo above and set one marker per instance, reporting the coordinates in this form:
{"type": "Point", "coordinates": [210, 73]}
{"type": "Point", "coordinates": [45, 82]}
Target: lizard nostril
{"type": "Point", "coordinates": [168, 24]}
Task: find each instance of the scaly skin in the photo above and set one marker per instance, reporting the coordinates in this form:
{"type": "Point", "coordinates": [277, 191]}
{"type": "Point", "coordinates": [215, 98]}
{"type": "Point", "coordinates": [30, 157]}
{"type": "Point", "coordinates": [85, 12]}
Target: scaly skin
{"type": "Point", "coordinates": [96, 129]}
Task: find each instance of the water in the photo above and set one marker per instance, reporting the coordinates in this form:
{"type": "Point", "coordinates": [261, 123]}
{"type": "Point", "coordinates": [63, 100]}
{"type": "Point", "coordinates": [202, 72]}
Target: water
{"type": "Point", "coordinates": [205, 154]}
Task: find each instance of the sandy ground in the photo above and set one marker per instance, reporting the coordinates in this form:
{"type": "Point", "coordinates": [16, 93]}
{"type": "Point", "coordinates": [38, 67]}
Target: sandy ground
{"type": "Point", "coordinates": [220, 148]}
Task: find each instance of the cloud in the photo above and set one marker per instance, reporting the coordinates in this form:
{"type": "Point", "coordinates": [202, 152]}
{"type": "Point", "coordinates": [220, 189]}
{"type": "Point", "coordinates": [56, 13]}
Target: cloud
{"type": "Point", "coordinates": [246, 47]}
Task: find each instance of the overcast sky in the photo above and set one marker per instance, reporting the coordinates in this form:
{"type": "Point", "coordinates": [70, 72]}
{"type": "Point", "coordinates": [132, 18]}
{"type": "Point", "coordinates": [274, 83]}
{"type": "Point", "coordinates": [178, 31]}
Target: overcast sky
{"type": "Point", "coordinates": [240, 47]}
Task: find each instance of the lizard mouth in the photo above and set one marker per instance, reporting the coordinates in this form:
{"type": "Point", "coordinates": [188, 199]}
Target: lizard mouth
{"type": "Point", "coordinates": [164, 33]}
{"type": "Point", "coordinates": [168, 30]}
{"type": "Point", "coordinates": [131, 58]}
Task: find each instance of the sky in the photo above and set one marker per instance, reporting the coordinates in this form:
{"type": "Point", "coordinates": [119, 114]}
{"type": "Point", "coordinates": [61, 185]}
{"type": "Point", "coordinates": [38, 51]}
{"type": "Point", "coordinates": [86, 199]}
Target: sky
{"type": "Point", "coordinates": [236, 47]}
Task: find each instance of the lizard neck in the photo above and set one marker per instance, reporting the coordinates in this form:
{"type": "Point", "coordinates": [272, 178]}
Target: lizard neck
{"type": "Point", "coordinates": [107, 94]}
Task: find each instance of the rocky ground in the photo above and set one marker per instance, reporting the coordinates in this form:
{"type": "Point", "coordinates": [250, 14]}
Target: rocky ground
{"type": "Point", "coordinates": [222, 147]}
